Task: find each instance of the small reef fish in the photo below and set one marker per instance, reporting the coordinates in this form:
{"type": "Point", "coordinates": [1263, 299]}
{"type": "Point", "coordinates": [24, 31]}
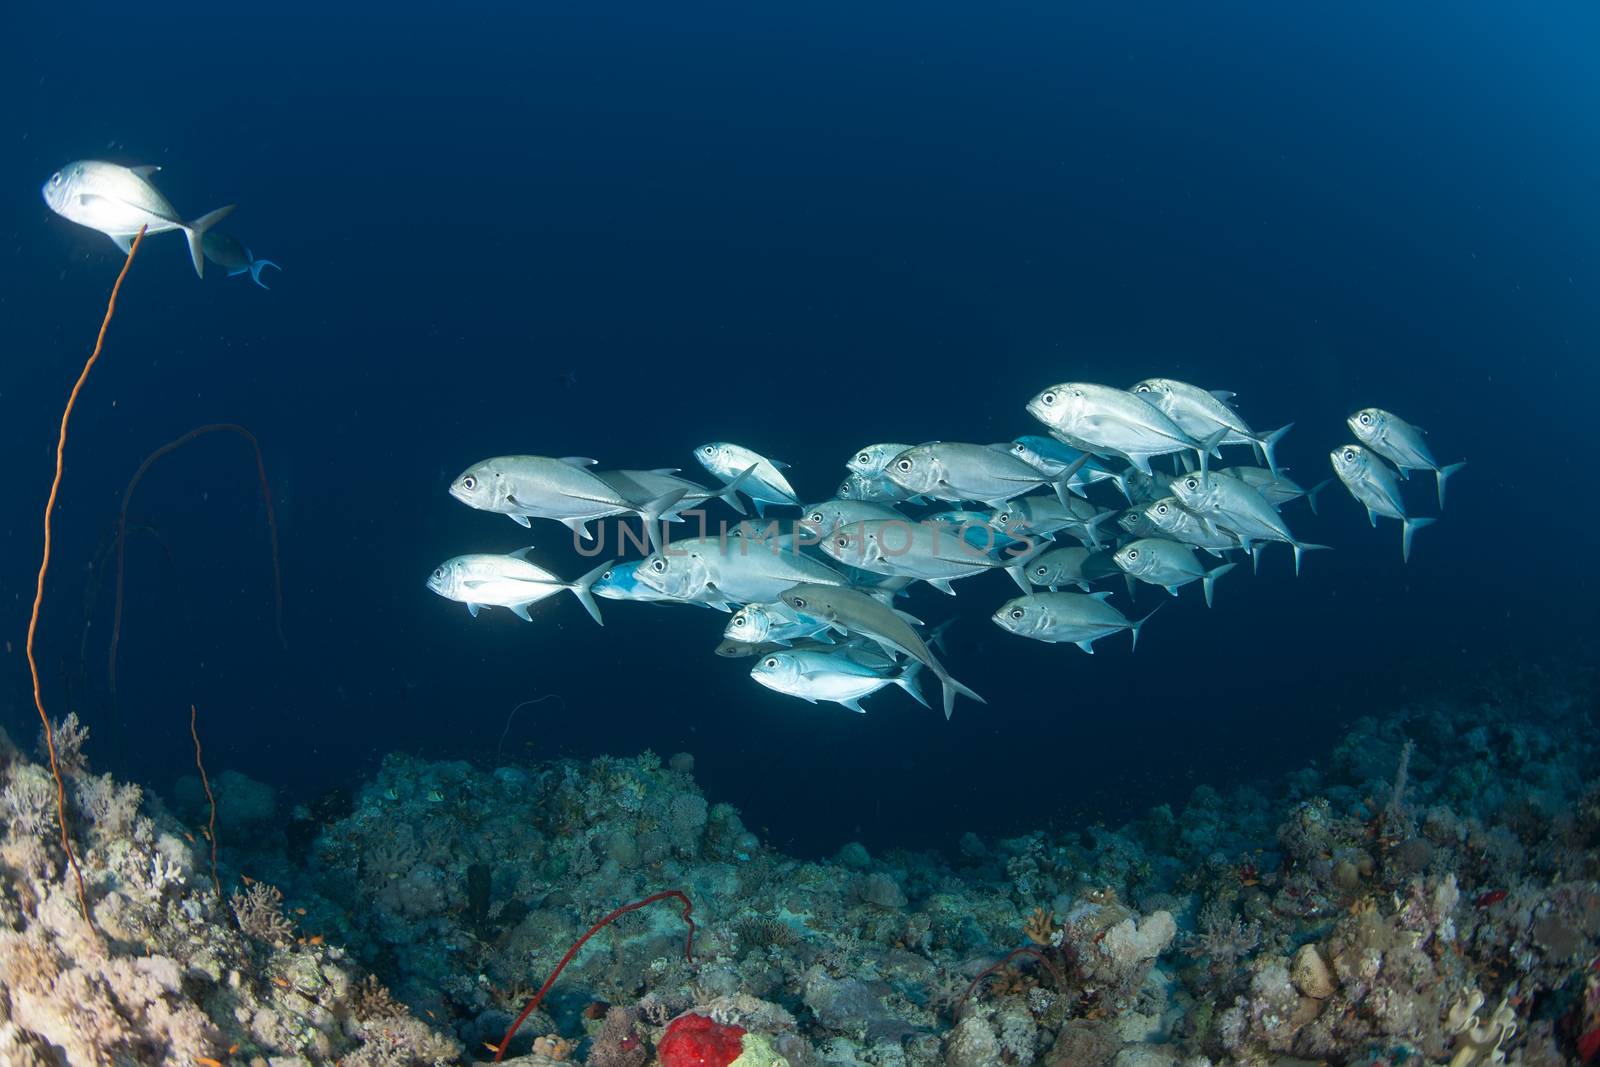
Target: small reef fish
{"type": "Point", "coordinates": [120, 201]}
{"type": "Point", "coordinates": [1202, 413]}
{"type": "Point", "coordinates": [1078, 618]}
{"type": "Point", "coordinates": [858, 613]}
{"type": "Point", "coordinates": [526, 487]}
{"type": "Point", "coordinates": [764, 485]}
{"type": "Point", "coordinates": [227, 252]}
{"type": "Point", "coordinates": [837, 676]}
{"type": "Point", "coordinates": [1107, 421]}
{"type": "Point", "coordinates": [1375, 485]}
{"type": "Point", "coordinates": [1169, 565]}
{"type": "Point", "coordinates": [1401, 443]}
{"type": "Point", "coordinates": [510, 581]}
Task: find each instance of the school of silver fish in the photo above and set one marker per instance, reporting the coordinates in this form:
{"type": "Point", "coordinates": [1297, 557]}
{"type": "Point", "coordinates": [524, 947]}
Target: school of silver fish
{"type": "Point", "coordinates": [814, 599]}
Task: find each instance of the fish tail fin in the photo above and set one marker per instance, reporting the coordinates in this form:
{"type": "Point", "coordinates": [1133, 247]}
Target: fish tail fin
{"type": "Point", "coordinates": [1408, 529]}
{"type": "Point", "coordinates": [582, 589]}
{"type": "Point", "coordinates": [1211, 446]}
{"type": "Point", "coordinates": [936, 635]}
{"type": "Point", "coordinates": [1270, 441]}
{"type": "Point", "coordinates": [1063, 482]}
{"type": "Point", "coordinates": [1311, 494]}
{"type": "Point", "coordinates": [730, 491]}
{"type": "Point", "coordinates": [907, 680]}
{"type": "Point", "coordinates": [653, 511]}
{"type": "Point", "coordinates": [1136, 627]}
{"type": "Point", "coordinates": [1209, 582]}
{"type": "Point", "coordinates": [1443, 473]}
{"type": "Point", "coordinates": [1301, 547]}
{"type": "Point", "coordinates": [255, 270]}
{"type": "Point", "coordinates": [196, 232]}
{"type": "Point", "coordinates": [951, 688]}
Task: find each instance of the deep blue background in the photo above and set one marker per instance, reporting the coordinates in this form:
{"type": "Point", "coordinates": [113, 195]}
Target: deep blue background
{"type": "Point", "coordinates": [802, 231]}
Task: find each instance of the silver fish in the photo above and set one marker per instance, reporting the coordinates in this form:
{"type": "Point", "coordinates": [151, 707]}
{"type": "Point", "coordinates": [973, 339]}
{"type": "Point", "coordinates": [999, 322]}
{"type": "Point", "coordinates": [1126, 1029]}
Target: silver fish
{"type": "Point", "coordinates": [1044, 516]}
{"type": "Point", "coordinates": [1375, 485]}
{"type": "Point", "coordinates": [871, 459]}
{"type": "Point", "coordinates": [764, 485]}
{"type": "Point", "coordinates": [525, 487]}
{"type": "Point", "coordinates": [1232, 505]}
{"type": "Point", "coordinates": [774, 621]}
{"type": "Point", "coordinates": [1168, 565]}
{"type": "Point", "coordinates": [1070, 565]}
{"type": "Point", "coordinates": [874, 488]}
{"type": "Point", "coordinates": [1173, 520]}
{"type": "Point", "coordinates": [1106, 421]}
{"type": "Point", "coordinates": [510, 581]}
{"type": "Point", "coordinates": [1277, 487]}
{"type": "Point", "coordinates": [735, 570]}
{"type": "Point", "coordinates": [836, 676]}
{"type": "Point", "coordinates": [1201, 414]}
{"type": "Point", "coordinates": [932, 552]}
{"type": "Point", "coordinates": [120, 201]}
{"type": "Point", "coordinates": [958, 472]}
{"type": "Point", "coordinates": [621, 581]}
{"type": "Point", "coordinates": [1401, 443]}
{"type": "Point", "coordinates": [859, 613]}
{"type": "Point", "coordinates": [1078, 618]}
{"type": "Point", "coordinates": [643, 486]}
{"type": "Point", "coordinates": [822, 519]}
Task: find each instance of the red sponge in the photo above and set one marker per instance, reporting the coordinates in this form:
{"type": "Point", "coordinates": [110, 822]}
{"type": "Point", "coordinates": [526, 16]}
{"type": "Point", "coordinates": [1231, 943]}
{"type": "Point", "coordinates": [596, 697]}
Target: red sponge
{"type": "Point", "coordinates": [696, 1041]}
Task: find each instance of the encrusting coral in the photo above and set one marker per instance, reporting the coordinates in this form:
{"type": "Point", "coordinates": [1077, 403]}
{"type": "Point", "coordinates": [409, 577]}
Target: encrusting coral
{"type": "Point", "coordinates": [1430, 898]}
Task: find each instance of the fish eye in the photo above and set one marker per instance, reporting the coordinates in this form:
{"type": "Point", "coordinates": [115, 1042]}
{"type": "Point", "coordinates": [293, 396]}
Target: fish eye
{"type": "Point", "coordinates": [1005, 518]}
{"type": "Point", "coordinates": [1017, 613]}
{"type": "Point", "coordinates": [469, 482]}
{"type": "Point", "coordinates": [658, 565]}
{"type": "Point", "coordinates": [604, 576]}
{"type": "Point", "coordinates": [55, 179]}
{"type": "Point", "coordinates": [708, 450]}
{"type": "Point", "coordinates": [863, 458]}
{"type": "Point", "coordinates": [439, 573]}
{"type": "Point", "coordinates": [1047, 399]}
{"type": "Point", "coordinates": [1133, 553]}
{"type": "Point", "coordinates": [816, 516]}
{"type": "Point", "coordinates": [739, 620]}
{"type": "Point", "coordinates": [1366, 420]}
{"type": "Point", "coordinates": [799, 602]}
{"type": "Point", "coordinates": [1162, 509]}
{"type": "Point", "coordinates": [840, 542]}
{"type": "Point", "coordinates": [770, 662]}
{"type": "Point", "coordinates": [1192, 483]}
{"type": "Point", "coordinates": [904, 465]}
{"type": "Point", "coordinates": [844, 491]}
{"type": "Point", "coordinates": [1349, 455]}
{"type": "Point", "coordinates": [1041, 571]}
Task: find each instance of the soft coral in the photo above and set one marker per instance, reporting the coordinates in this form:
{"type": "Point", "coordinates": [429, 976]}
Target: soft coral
{"type": "Point", "coordinates": [697, 1041]}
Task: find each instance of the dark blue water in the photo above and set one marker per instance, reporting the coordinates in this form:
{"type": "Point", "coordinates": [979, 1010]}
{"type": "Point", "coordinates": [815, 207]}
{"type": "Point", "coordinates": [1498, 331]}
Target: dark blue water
{"type": "Point", "coordinates": [801, 231]}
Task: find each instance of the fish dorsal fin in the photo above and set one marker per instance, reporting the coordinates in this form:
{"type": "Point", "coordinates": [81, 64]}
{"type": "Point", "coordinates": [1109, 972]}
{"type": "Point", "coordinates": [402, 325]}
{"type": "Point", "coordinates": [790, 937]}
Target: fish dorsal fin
{"type": "Point", "coordinates": [521, 553]}
{"type": "Point", "coordinates": [663, 470]}
{"type": "Point", "coordinates": [779, 464]}
{"type": "Point", "coordinates": [1224, 395]}
{"type": "Point", "coordinates": [146, 170]}
{"type": "Point", "coordinates": [1102, 596]}
{"type": "Point", "coordinates": [580, 461]}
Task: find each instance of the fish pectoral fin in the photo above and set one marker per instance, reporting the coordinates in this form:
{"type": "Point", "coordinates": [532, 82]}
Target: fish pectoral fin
{"type": "Point", "coordinates": [1087, 646]}
{"type": "Point", "coordinates": [520, 611]}
{"type": "Point", "coordinates": [123, 242]}
{"type": "Point", "coordinates": [943, 585]}
{"type": "Point", "coordinates": [521, 520]}
{"type": "Point", "coordinates": [854, 705]}
{"type": "Point", "coordinates": [472, 609]}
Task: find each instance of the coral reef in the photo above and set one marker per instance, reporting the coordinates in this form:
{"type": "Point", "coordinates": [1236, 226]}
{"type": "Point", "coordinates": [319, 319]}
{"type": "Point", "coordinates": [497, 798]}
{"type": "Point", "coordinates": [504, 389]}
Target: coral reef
{"type": "Point", "coordinates": [1430, 896]}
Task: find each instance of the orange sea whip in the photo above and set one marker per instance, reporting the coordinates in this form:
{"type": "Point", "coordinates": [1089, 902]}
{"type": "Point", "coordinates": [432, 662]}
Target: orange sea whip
{"type": "Point", "coordinates": [212, 831]}
{"type": "Point", "coordinates": [44, 566]}
{"type": "Point", "coordinates": [122, 529]}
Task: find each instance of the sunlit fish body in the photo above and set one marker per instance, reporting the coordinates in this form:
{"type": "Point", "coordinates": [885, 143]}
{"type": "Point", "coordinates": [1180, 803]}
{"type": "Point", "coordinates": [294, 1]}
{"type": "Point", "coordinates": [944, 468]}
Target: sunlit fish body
{"type": "Point", "coordinates": [1076, 618]}
{"type": "Point", "coordinates": [1114, 422]}
{"type": "Point", "coordinates": [1401, 443]}
{"type": "Point", "coordinates": [1377, 487]}
{"type": "Point", "coordinates": [510, 581]}
{"type": "Point", "coordinates": [566, 490]}
{"type": "Point", "coordinates": [1201, 414]}
{"type": "Point", "coordinates": [1231, 505]}
{"type": "Point", "coordinates": [838, 676]}
{"type": "Point", "coordinates": [958, 472]}
{"type": "Point", "coordinates": [871, 459]}
{"type": "Point", "coordinates": [1169, 565]}
{"type": "Point", "coordinates": [120, 201]}
{"type": "Point", "coordinates": [776, 621]}
{"type": "Point", "coordinates": [764, 485]}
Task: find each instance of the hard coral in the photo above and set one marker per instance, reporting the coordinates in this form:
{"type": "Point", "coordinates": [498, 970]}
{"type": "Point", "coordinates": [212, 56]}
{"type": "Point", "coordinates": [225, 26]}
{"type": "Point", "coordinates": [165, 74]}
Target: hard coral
{"type": "Point", "coordinates": [697, 1041]}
